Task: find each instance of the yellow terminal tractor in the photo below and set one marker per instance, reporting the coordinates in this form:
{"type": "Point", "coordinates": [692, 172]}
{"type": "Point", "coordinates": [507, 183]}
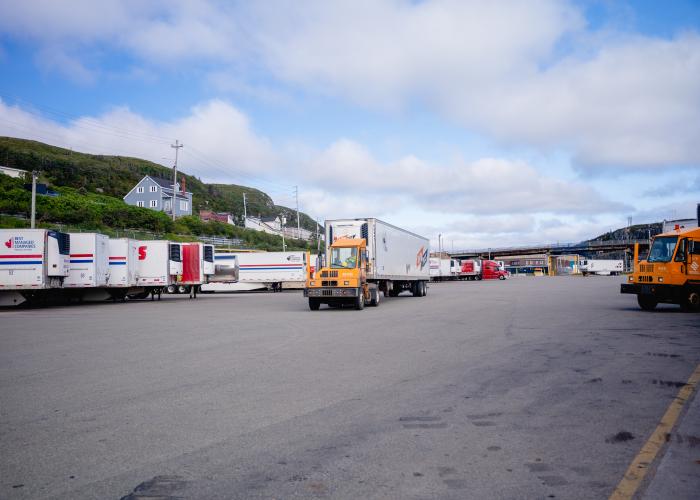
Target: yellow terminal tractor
{"type": "Point", "coordinates": [367, 258]}
{"type": "Point", "coordinates": [671, 271]}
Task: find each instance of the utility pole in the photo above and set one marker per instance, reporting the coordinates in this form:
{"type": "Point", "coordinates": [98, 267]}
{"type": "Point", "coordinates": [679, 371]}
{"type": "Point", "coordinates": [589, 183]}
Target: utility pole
{"type": "Point", "coordinates": [283, 219]}
{"type": "Point", "coordinates": [245, 210]}
{"type": "Point", "coordinates": [296, 194]}
{"type": "Point", "coordinates": [176, 146]}
{"type": "Point", "coordinates": [318, 238]}
{"type": "Point", "coordinates": [34, 176]}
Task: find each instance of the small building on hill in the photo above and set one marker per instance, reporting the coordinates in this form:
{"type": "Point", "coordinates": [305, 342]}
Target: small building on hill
{"type": "Point", "coordinates": [209, 215]}
{"type": "Point", "coordinates": [13, 172]}
{"type": "Point", "coordinates": [156, 193]}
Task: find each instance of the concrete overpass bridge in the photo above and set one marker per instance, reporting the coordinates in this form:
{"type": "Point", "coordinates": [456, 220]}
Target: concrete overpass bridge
{"type": "Point", "coordinates": [585, 248]}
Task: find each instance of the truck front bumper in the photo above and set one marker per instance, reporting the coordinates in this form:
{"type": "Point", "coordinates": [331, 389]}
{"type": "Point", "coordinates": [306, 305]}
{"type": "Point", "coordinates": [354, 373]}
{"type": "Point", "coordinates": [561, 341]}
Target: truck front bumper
{"type": "Point", "coordinates": [661, 292]}
{"type": "Point", "coordinates": [331, 292]}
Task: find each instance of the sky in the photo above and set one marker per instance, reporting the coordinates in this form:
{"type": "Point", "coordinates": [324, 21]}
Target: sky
{"type": "Point", "coordinates": [491, 124]}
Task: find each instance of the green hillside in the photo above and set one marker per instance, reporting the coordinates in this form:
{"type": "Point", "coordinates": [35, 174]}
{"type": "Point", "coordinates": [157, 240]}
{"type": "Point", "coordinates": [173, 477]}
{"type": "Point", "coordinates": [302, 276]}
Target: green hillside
{"type": "Point", "coordinates": [116, 175]}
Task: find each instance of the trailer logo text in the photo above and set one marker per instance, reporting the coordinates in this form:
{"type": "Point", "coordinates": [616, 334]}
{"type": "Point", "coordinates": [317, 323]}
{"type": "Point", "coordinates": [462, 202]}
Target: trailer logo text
{"type": "Point", "coordinates": [20, 243]}
{"type": "Point", "coordinates": [142, 252]}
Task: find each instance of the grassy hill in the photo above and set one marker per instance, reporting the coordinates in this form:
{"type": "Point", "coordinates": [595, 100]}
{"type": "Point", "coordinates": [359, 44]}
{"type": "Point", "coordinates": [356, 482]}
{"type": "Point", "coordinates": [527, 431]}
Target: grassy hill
{"type": "Point", "coordinates": [636, 232]}
{"type": "Point", "coordinates": [116, 175]}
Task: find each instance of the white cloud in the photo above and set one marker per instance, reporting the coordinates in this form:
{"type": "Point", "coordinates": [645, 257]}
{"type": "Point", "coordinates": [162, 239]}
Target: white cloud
{"type": "Point", "coordinates": [219, 142]}
{"type": "Point", "coordinates": [529, 73]}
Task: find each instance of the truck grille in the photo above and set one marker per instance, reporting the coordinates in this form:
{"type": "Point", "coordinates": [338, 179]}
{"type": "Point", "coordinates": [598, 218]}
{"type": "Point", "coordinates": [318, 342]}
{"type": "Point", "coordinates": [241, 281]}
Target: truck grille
{"type": "Point", "coordinates": [646, 279]}
{"type": "Point", "coordinates": [329, 283]}
{"type": "Point", "coordinates": [329, 274]}
{"type": "Point", "coordinates": [646, 268]}
{"type": "Point", "coordinates": [327, 293]}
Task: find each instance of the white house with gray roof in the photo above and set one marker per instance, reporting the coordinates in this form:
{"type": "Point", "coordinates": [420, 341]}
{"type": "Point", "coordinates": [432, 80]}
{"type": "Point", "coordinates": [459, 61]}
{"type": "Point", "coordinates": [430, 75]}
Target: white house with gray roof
{"type": "Point", "coordinates": [156, 193]}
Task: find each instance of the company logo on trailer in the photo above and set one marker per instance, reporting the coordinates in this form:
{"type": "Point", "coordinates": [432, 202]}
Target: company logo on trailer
{"type": "Point", "coordinates": [422, 257]}
{"type": "Point", "coordinates": [20, 243]}
{"type": "Point", "coordinates": [142, 252]}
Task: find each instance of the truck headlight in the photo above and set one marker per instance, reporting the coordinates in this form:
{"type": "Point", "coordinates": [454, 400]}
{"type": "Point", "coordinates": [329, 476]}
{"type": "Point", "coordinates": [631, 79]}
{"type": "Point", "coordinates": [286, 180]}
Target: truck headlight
{"type": "Point", "coordinates": [312, 283]}
{"type": "Point", "coordinates": [661, 279]}
{"type": "Point", "coordinates": [630, 278]}
{"type": "Point", "coordinates": [346, 283]}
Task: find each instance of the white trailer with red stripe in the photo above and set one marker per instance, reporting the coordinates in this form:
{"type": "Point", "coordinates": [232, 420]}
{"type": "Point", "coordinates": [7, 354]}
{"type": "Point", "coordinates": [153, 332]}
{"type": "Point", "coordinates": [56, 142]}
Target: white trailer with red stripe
{"type": "Point", "coordinates": [32, 261]}
{"type": "Point", "coordinates": [122, 264]}
{"type": "Point", "coordinates": [263, 270]}
{"type": "Point", "coordinates": [89, 261]}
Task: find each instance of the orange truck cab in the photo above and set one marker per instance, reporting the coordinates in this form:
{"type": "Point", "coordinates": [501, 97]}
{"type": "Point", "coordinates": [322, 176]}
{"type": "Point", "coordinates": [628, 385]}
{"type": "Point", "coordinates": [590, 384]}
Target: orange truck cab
{"type": "Point", "coordinates": [344, 279]}
{"type": "Point", "coordinates": [670, 273]}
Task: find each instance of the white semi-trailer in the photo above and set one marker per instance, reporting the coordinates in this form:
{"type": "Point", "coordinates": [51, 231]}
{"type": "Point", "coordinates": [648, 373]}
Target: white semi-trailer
{"type": "Point", "coordinates": [158, 266]}
{"type": "Point", "coordinates": [123, 264]}
{"type": "Point", "coordinates": [89, 261]}
{"type": "Point", "coordinates": [441, 269]}
{"type": "Point", "coordinates": [601, 267]}
{"type": "Point", "coordinates": [261, 270]}
{"type": "Point", "coordinates": [32, 262]}
{"type": "Point", "coordinates": [365, 257]}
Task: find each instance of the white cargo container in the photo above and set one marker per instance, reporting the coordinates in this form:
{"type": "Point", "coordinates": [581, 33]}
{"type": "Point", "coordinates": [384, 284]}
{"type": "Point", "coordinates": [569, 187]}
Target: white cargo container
{"type": "Point", "coordinates": [31, 260]}
{"type": "Point", "coordinates": [398, 259]}
{"type": "Point", "coordinates": [601, 267]}
{"type": "Point", "coordinates": [159, 263]}
{"type": "Point", "coordinates": [89, 261]}
{"type": "Point", "coordinates": [123, 257]}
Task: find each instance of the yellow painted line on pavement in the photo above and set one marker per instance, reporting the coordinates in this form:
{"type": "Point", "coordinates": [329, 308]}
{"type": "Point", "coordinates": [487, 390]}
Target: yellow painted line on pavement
{"type": "Point", "coordinates": [635, 473]}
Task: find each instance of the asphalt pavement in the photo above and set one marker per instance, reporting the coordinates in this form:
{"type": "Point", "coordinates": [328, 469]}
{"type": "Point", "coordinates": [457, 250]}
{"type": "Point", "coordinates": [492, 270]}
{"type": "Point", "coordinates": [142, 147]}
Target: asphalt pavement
{"type": "Point", "coordinates": [525, 388]}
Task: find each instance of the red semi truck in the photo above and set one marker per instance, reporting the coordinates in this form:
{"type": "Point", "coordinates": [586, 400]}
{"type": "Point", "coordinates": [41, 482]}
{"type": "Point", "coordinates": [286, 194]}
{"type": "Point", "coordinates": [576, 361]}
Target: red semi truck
{"type": "Point", "coordinates": [475, 269]}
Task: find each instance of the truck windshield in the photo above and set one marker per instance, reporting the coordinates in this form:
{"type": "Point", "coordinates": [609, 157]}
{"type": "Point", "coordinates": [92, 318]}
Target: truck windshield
{"type": "Point", "coordinates": [662, 249]}
{"type": "Point", "coordinates": [343, 258]}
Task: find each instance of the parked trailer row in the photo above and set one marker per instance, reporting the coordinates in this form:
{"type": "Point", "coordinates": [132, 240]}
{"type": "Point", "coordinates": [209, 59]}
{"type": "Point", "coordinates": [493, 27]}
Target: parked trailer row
{"type": "Point", "coordinates": [444, 269]}
{"type": "Point", "coordinates": [38, 264]}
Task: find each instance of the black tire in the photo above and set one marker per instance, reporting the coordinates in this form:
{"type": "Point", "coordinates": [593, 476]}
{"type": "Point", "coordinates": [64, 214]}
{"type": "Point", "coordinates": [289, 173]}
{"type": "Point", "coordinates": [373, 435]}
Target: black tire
{"type": "Point", "coordinates": [171, 289]}
{"type": "Point", "coordinates": [647, 302]}
{"type": "Point", "coordinates": [691, 302]}
{"type": "Point", "coordinates": [374, 302]}
{"type": "Point", "coordinates": [501, 277]}
{"type": "Point", "coordinates": [417, 289]}
{"type": "Point", "coordinates": [183, 289]}
{"type": "Point", "coordinates": [360, 301]}
{"type": "Point", "coordinates": [314, 304]}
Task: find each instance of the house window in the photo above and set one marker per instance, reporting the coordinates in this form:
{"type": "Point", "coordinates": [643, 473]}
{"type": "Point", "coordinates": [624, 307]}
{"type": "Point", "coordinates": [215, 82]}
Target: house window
{"type": "Point", "coordinates": [139, 204]}
{"type": "Point", "coordinates": [139, 189]}
{"type": "Point", "coordinates": [154, 189]}
{"type": "Point", "coordinates": [183, 206]}
{"type": "Point", "coordinates": [154, 203]}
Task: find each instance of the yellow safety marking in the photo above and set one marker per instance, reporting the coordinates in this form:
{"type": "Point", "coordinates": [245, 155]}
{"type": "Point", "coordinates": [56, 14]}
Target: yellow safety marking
{"type": "Point", "coordinates": [642, 462]}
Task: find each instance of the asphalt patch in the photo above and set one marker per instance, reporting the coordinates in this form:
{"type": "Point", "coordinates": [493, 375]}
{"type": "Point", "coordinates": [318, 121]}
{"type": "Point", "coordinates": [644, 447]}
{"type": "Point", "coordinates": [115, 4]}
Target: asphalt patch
{"type": "Point", "coordinates": [620, 437]}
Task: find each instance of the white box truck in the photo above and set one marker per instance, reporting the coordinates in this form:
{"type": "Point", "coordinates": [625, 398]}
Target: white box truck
{"type": "Point", "coordinates": [365, 257]}
{"type": "Point", "coordinates": [601, 267]}
{"type": "Point", "coordinates": [89, 261]}
{"type": "Point", "coordinates": [31, 262]}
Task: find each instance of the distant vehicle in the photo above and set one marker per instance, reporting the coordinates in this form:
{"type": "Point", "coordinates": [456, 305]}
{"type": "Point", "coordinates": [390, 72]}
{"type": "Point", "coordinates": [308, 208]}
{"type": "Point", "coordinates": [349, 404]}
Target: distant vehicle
{"type": "Point", "coordinates": [491, 270]}
{"type": "Point", "coordinates": [444, 269]}
{"type": "Point", "coordinates": [471, 269]}
{"type": "Point", "coordinates": [671, 271]}
{"type": "Point", "coordinates": [601, 267]}
{"type": "Point", "coordinates": [365, 258]}
{"type": "Point", "coordinates": [197, 268]}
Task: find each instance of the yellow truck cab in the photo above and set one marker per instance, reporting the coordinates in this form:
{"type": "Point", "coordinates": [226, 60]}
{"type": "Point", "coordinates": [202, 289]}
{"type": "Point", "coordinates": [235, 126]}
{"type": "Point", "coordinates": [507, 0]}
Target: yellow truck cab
{"type": "Point", "coordinates": [344, 279]}
{"type": "Point", "coordinates": [670, 273]}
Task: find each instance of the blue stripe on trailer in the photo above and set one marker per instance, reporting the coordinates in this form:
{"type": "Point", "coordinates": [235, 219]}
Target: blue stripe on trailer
{"type": "Point", "coordinates": [225, 257]}
{"type": "Point", "coordinates": [81, 261]}
{"type": "Point", "coordinates": [117, 263]}
{"type": "Point", "coordinates": [14, 262]}
{"type": "Point", "coordinates": [270, 268]}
